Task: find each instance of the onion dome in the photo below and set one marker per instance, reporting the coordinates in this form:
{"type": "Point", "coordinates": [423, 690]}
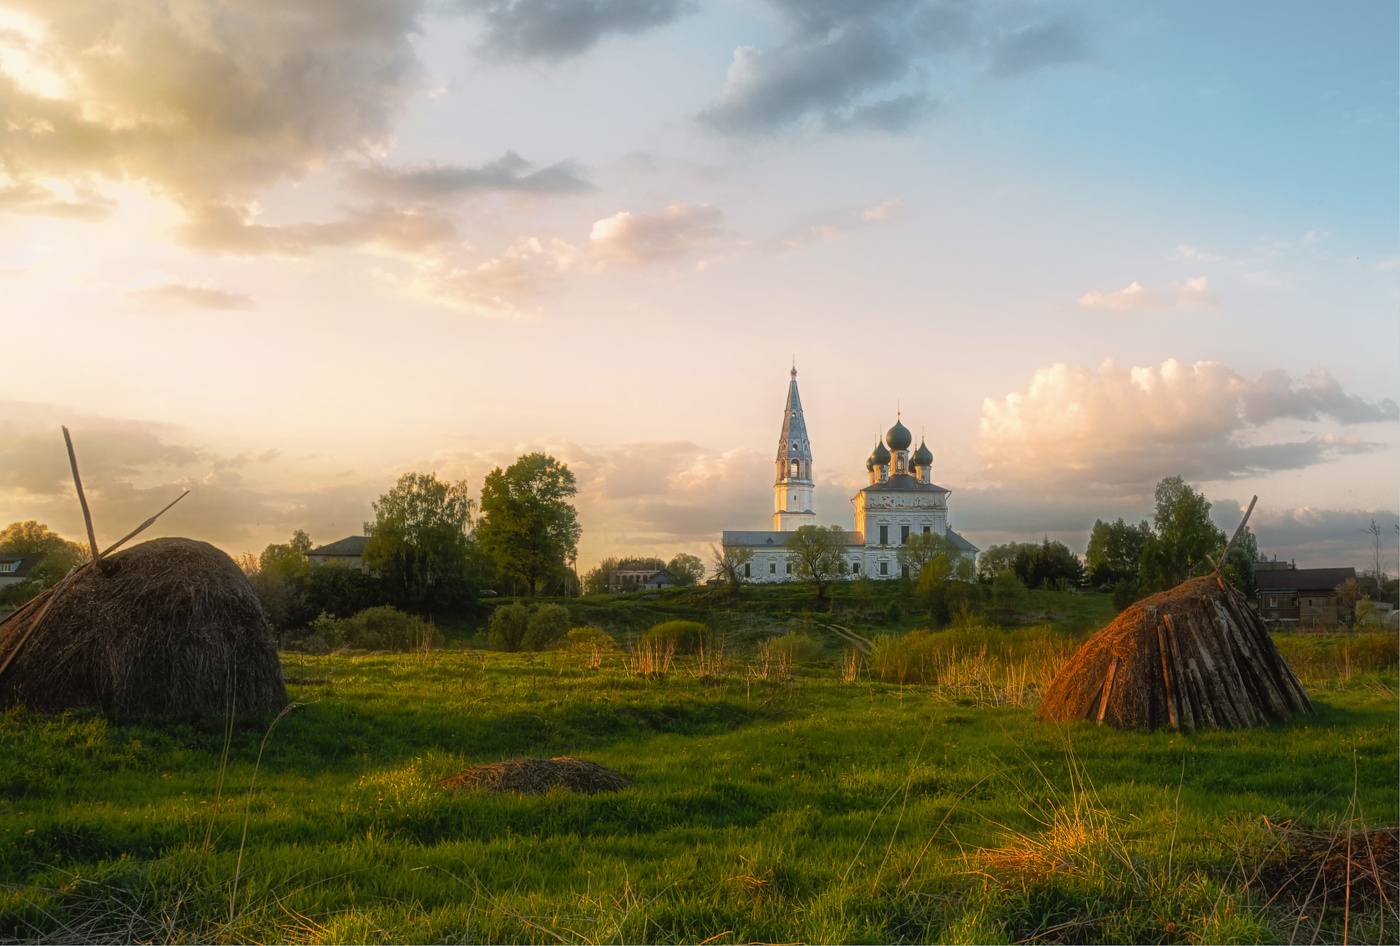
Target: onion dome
{"type": "Point", "coordinates": [899, 437]}
{"type": "Point", "coordinates": [922, 456]}
{"type": "Point", "coordinates": [881, 456]}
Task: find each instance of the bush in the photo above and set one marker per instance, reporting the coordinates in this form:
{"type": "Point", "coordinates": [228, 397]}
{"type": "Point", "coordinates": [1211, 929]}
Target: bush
{"type": "Point", "coordinates": [589, 638]}
{"type": "Point", "coordinates": [1126, 593]}
{"type": "Point", "coordinates": [796, 647]}
{"type": "Point", "coordinates": [388, 628]}
{"type": "Point", "coordinates": [684, 636]}
{"type": "Point", "coordinates": [547, 626]}
{"type": "Point", "coordinates": [506, 630]}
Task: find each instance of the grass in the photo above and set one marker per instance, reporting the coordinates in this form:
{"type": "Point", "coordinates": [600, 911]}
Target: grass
{"type": "Point", "coordinates": [770, 806]}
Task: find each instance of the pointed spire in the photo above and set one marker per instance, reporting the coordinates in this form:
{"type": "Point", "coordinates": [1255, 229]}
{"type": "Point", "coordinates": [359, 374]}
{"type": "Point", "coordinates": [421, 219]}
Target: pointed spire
{"type": "Point", "coordinates": [793, 439]}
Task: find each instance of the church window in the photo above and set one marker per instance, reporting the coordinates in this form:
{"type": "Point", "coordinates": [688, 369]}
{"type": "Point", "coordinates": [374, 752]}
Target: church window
{"type": "Point", "coordinates": [884, 568]}
{"type": "Point", "coordinates": [794, 467]}
{"type": "Point", "coordinates": [927, 530]}
{"type": "Point", "coordinates": [789, 568]}
{"type": "Point", "coordinates": [746, 570]}
{"type": "Point", "coordinates": [772, 568]}
{"type": "Point", "coordinates": [855, 568]}
{"type": "Point", "coordinates": [904, 571]}
{"type": "Point", "coordinates": [884, 535]}
{"type": "Point", "coordinates": [903, 535]}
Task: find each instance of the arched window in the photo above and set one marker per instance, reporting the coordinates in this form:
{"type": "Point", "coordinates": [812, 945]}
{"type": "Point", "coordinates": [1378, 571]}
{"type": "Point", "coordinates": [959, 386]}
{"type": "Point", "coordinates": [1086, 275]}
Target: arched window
{"type": "Point", "coordinates": [794, 467]}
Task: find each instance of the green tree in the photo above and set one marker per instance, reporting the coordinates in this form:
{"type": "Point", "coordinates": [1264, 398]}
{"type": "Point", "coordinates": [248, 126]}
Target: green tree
{"type": "Point", "coordinates": [1115, 551]}
{"type": "Point", "coordinates": [1046, 564]}
{"type": "Point", "coordinates": [999, 558]}
{"type": "Point", "coordinates": [507, 627]}
{"type": "Point", "coordinates": [731, 564]}
{"type": "Point", "coordinates": [595, 580]}
{"type": "Point", "coordinates": [687, 568]}
{"type": "Point", "coordinates": [287, 561]}
{"type": "Point", "coordinates": [35, 538]}
{"type": "Point", "coordinates": [819, 552]}
{"type": "Point", "coordinates": [922, 548]}
{"type": "Point", "coordinates": [1185, 539]}
{"type": "Point", "coordinates": [944, 587]}
{"type": "Point", "coordinates": [528, 525]}
{"type": "Point", "coordinates": [420, 543]}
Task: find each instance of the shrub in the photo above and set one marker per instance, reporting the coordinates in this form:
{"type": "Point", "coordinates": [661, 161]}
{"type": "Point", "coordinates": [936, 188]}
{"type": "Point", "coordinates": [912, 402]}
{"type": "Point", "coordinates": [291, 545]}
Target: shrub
{"type": "Point", "coordinates": [386, 628]}
{"type": "Point", "coordinates": [681, 636]}
{"type": "Point", "coordinates": [547, 625]}
{"type": "Point", "coordinates": [589, 638]}
{"type": "Point", "coordinates": [507, 627]}
{"type": "Point", "coordinates": [796, 647]}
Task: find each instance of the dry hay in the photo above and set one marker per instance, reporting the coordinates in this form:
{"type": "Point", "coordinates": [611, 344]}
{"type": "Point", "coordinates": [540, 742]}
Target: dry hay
{"type": "Point", "coordinates": [538, 776]}
{"type": "Point", "coordinates": [166, 627]}
{"type": "Point", "coordinates": [1193, 657]}
{"type": "Point", "coordinates": [1345, 868]}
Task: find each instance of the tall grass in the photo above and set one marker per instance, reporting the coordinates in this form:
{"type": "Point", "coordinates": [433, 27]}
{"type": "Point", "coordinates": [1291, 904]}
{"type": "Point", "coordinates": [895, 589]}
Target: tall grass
{"type": "Point", "coordinates": [998, 669]}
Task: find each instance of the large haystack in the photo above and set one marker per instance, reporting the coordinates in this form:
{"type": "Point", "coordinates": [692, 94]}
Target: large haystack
{"type": "Point", "coordinates": [165, 627]}
{"type": "Point", "coordinates": [1190, 658]}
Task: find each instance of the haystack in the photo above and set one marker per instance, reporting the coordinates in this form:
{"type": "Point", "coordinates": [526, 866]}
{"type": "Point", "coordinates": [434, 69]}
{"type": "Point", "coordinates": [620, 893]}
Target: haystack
{"type": "Point", "coordinates": [1193, 657]}
{"type": "Point", "coordinates": [165, 627]}
{"type": "Point", "coordinates": [538, 776]}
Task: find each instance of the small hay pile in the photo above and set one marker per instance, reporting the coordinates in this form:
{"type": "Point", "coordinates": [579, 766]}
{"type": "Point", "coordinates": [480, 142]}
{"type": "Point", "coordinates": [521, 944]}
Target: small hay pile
{"type": "Point", "coordinates": [538, 776]}
{"type": "Point", "coordinates": [1339, 869]}
{"type": "Point", "coordinates": [166, 627]}
{"type": "Point", "coordinates": [1191, 658]}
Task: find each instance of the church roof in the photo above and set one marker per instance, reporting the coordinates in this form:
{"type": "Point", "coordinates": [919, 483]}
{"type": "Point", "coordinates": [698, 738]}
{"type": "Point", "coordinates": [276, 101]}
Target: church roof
{"type": "Point", "coordinates": [763, 538]}
{"type": "Point", "coordinates": [794, 445]}
{"type": "Point", "coordinates": [962, 543]}
{"type": "Point", "coordinates": [922, 456]}
{"type": "Point", "coordinates": [899, 437]}
{"type": "Point", "coordinates": [904, 483]}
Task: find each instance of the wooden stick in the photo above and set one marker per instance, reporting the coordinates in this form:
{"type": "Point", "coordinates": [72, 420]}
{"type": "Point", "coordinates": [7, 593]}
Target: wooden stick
{"type": "Point", "coordinates": [82, 499]}
{"type": "Point", "coordinates": [143, 526]}
{"type": "Point", "coordinates": [1107, 689]}
{"type": "Point", "coordinates": [38, 619]}
{"type": "Point", "coordinates": [1239, 531]}
{"type": "Point", "coordinates": [1166, 677]}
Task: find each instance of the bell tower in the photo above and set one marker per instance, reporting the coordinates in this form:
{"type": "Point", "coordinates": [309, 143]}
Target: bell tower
{"type": "Point", "coordinates": [792, 491]}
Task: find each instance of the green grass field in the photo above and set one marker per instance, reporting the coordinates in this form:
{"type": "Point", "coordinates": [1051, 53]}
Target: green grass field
{"type": "Point", "coordinates": [811, 805]}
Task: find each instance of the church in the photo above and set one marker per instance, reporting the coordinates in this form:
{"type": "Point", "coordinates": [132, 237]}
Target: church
{"type": "Point", "coordinates": [900, 501]}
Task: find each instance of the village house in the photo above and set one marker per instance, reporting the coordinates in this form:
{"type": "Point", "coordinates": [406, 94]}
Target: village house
{"type": "Point", "coordinates": [15, 568]}
{"type": "Point", "coordinates": [1306, 596]}
{"type": "Point", "coordinates": [633, 576]}
{"type": "Point", "coordinates": [348, 551]}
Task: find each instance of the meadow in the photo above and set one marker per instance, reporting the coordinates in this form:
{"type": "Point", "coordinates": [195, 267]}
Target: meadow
{"type": "Point", "coordinates": [788, 788]}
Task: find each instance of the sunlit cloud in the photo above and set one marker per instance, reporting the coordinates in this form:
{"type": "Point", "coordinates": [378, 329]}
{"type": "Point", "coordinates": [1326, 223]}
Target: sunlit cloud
{"type": "Point", "coordinates": [1192, 293]}
{"type": "Point", "coordinates": [635, 240]}
{"type": "Point", "coordinates": [172, 295]}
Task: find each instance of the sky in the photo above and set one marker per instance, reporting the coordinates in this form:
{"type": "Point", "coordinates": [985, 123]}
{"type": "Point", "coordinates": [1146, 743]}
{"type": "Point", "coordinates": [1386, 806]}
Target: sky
{"type": "Point", "coordinates": [280, 252]}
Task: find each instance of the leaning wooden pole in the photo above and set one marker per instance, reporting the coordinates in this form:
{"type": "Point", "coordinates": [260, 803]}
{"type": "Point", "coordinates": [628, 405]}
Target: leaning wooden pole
{"type": "Point", "coordinates": [82, 499]}
{"type": "Point", "coordinates": [1239, 531]}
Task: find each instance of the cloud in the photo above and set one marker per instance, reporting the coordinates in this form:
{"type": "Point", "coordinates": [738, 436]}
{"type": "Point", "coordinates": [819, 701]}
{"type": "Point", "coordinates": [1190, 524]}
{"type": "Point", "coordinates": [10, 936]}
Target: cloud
{"type": "Point", "coordinates": [201, 101]}
{"type": "Point", "coordinates": [835, 226]}
{"type": "Point", "coordinates": [219, 228]}
{"type": "Point", "coordinates": [180, 296]}
{"type": "Point", "coordinates": [499, 287]}
{"type": "Point", "coordinates": [1039, 46]}
{"type": "Point", "coordinates": [637, 240]}
{"type": "Point", "coordinates": [560, 29]}
{"type": "Point", "coordinates": [34, 200]}
{"type": "Point", "coordinates": [1116, 430]}
{"type": "Point", "coordinates": [1192, 293]}
{"type": "Point", "coordinates": [847, 65]}
{"type": "Point", "coordinates": [510, 174]}
{"type": "Point", "coordinates": [1197, 255]}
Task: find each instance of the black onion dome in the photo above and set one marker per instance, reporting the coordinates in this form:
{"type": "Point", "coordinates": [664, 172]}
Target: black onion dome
{"type": "Point", "coordinates": [881, 456]}
{"type": "Point", "coordinates": [899, 437]}
{"type": "Point", "coordinates": [922, 456]}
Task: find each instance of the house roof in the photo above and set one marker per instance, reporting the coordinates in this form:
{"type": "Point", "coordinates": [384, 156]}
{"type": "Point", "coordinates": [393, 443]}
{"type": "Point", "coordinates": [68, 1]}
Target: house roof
{"type": "Point", "coordinates": [903, 483]}
{"type": "Point", "coordinates": [1302, 579]}
{"type": "Point", "coordinates": [26, 563]}
{"type": "Point", "coordinates": [350, 545]}
{"type": "Point", "coordinates": [764, 538]}
{"type": "Point", "coordinates": [664, 573]}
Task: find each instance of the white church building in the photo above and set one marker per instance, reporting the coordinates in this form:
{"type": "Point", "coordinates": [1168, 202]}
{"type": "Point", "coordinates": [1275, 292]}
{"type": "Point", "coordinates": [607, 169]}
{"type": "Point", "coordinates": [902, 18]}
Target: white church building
{"type": "Point", "coordinates": [900, 501]}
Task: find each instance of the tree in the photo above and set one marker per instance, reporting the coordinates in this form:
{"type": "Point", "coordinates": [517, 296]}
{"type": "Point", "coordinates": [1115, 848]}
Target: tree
{"type": "Point", "coordinates": [819, 553]}
{"type": "Point", "coordinates": [507, 627]}
{"type": "Point", "coordinates": [688, 569]}
{"type": "Point", "coordinates": [595, 580]}
{"type": "Point", "coordinates": [731, 563]}
{"type": "Point", "coordinates": [922, 548]}
{"type": "Point", "coordinates": [1115, 551]}
{"type": "Point", "coordinates": [287, 561]}
{"type": "Point", "coordinates": [997, 559]}
{"type": "Point", "coordinates": [943, 586]}
{"type": "Point", "coordinates": [35, 538]}
{"type": "Point", "coordinates": [1044, 565]}
{"type": "Point", "coordinates": [548, 624]}
{"type": "Point", "coordinates": [1184, 539]}
{"type": "Point", "coordinates": [420, 543]}
{"type": "Point", "coordinates": [528, 525]}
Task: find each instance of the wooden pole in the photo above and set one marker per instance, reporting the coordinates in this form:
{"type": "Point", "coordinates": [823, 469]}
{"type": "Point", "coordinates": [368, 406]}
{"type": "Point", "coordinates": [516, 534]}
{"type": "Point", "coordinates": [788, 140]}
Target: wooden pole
{"type": "Point", "coordinates": [82, 499]}
{"type": "Point", "coordinates": [1239, 531]}
{"type": "Point", "coordinates": [143, 526]}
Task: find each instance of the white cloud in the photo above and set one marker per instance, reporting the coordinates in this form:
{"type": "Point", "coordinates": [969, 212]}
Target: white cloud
{"type": "Point", "coordinates": [833, 226]}
{"type": "Point", "coordinates": [1194, 293]}
{"type": "Point", "coordinates": [636, 240]}
{"type": "Point", "coordinates": [500, 287]}
{"type": "Point", "coordinates": [1120, 430]}
{"type": "Point", "coordinates": [1195, 254]}
{"type": "Point", "coordinates": [175, 295]}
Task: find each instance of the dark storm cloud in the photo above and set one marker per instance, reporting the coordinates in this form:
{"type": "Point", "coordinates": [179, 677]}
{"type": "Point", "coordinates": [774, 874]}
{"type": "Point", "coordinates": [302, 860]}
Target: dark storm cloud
{"type": "Point", "coordinates": [508, 174]}
{"type": "Point", "coordinates": [559, 29]}
{"type": "Point", "coordinates": [844, 61]}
